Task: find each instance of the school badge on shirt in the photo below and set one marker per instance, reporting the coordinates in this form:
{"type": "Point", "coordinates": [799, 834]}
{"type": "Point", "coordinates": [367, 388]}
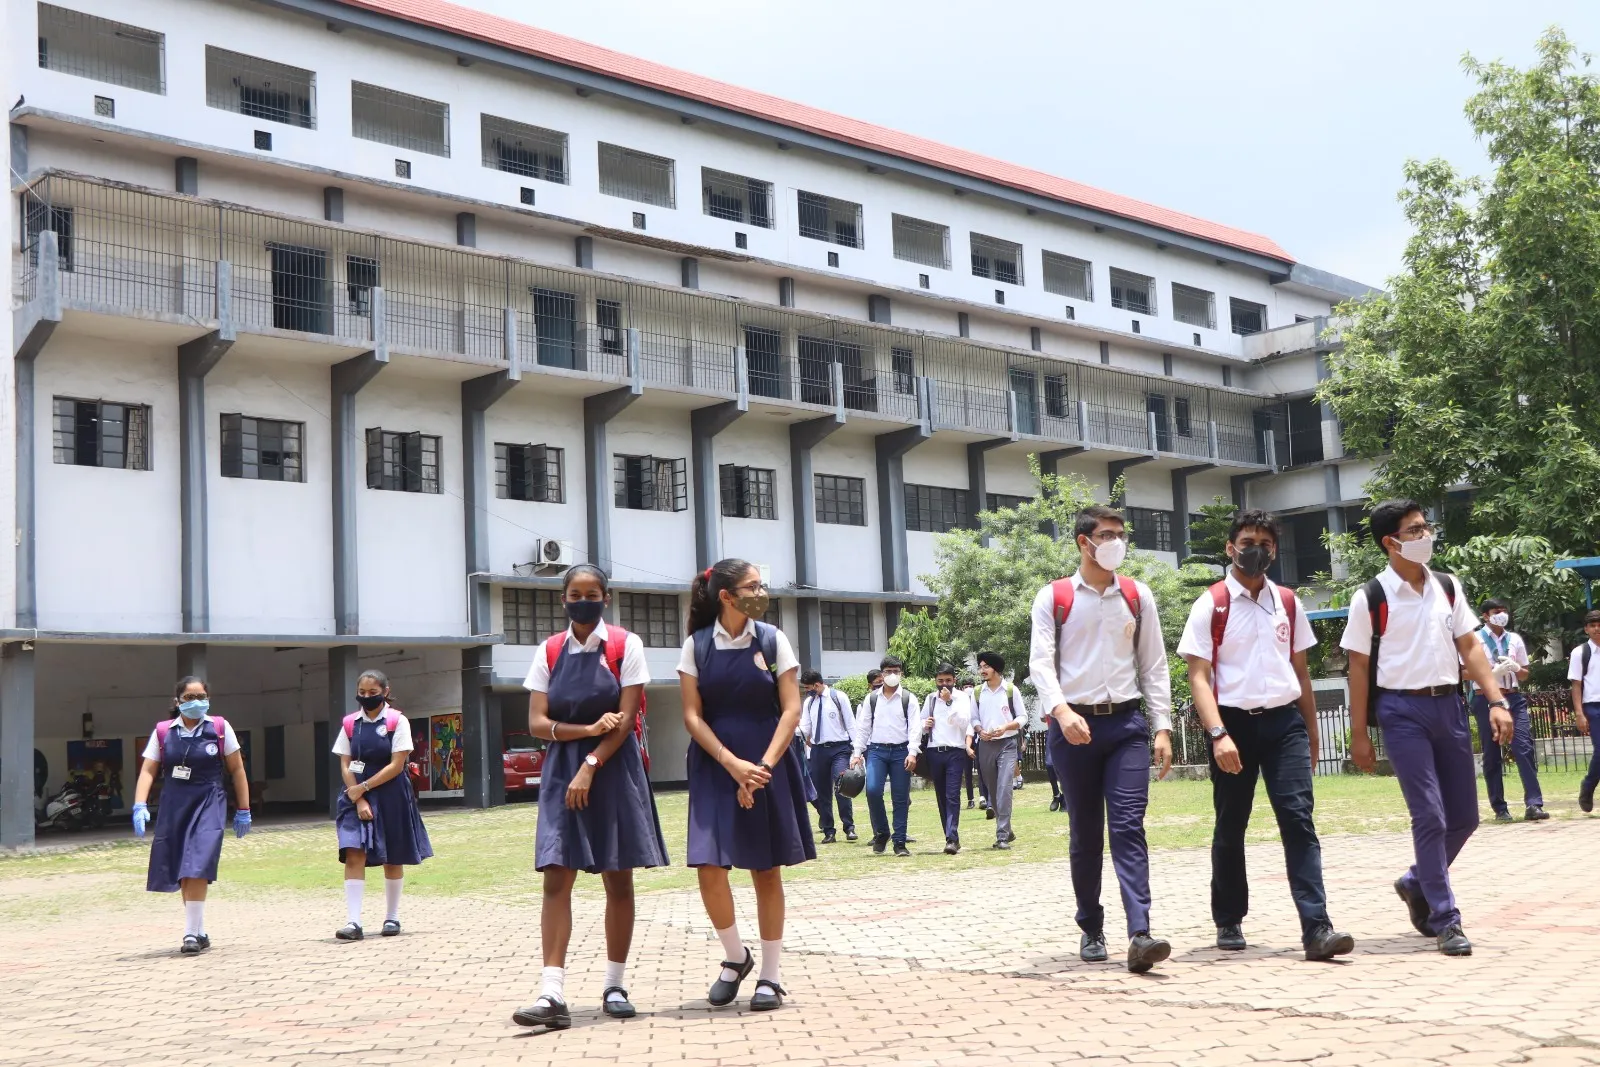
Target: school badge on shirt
{"type": "Point", "coordinates": [760, 660]}
{"type": "Point", "coordinates": [211, 748]}
{"type": "Point", "coordinates": [1283, 631]}
{"type": "Point", "coordinates": [383, 728]}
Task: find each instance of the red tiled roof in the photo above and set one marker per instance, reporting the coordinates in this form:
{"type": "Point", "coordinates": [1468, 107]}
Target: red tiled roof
{"type": "Point", "coordinates": [570, 52]}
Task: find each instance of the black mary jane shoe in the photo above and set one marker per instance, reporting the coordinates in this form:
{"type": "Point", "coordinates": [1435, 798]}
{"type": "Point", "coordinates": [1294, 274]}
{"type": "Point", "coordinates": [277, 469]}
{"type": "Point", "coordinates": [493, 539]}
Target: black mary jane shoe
{"type": "Point", "coordinates": [548, 1012]}
{"type": "Point", "coordinates": [349, 932]}
{"type": "Point", "coordinates": [391, 927]}
{"type": "Point", "coordinates": [617, 1009]}
{"type": "Point", "coordinates": [767, 997]}
{"type": "Point", "coordinates": [205, 941]}
{"type": "Point", "coordinates": [722, 993]}
{"type": "Point", "coordinates": [190, 946]}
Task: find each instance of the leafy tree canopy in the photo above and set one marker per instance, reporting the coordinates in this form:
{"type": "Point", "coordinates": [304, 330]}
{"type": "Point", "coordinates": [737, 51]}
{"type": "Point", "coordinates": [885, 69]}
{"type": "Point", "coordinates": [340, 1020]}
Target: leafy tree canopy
{"type": "Point", "coordinates": [1208, 535]}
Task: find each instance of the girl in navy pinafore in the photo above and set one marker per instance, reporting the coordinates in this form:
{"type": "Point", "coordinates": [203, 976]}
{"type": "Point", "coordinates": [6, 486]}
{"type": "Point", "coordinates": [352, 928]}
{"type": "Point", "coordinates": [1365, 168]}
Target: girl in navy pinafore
{"type": "Point", "coordinates": [747, 799]}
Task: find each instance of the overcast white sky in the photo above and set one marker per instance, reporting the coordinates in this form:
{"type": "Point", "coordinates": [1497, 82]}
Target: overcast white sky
{"type": "Point", "coordinates": [1287, 118]}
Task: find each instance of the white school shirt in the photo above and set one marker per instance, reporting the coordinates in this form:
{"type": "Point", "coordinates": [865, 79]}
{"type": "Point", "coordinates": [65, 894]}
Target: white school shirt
{"type": "Point", "coordinates": [893, 722]}
{"type": "Point", "coordinates": [828, 718]}
{"type": "Point", "coordinates": [230, 743]}
{"type": "Point", "coordinates": [1098, 664]}
{"type": "Point", "coordinates": [1591, 682]}
{"type": "Point", "coordinates": [1254, 669]}
{"type": "Point", "coordinates": [1419, 646]}
{"type": "Point", "coordinates": [952, 722]}
{"type": "Point", "coordinates": [997, 707]}
{"type": "Point", "coordinates": [720, 638]}
{"type": "Point", "coordinates": [1507, 644]}
{"type": "Point", "coordinates": [399, 741]}
{"type": "Point", "coordinates": [634, 669]}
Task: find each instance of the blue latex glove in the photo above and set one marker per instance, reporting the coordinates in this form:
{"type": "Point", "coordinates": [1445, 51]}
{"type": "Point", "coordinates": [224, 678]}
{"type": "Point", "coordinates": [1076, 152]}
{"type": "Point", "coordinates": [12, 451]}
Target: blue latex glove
{"type": "Point", "coordinates": [141, 819]}
{"type": "Point", "coordinates": [241, 823]}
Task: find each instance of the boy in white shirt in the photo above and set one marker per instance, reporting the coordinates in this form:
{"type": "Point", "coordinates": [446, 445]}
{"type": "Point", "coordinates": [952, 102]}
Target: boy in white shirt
{"type": "Point", "coordinates": [1584, 672]}
{"type": "Point", "coordinates": [888, 736]}
{"type": "Point", "coordinates": [1508, 658]}
{"type": "Point", "coordinates": [947, 722]}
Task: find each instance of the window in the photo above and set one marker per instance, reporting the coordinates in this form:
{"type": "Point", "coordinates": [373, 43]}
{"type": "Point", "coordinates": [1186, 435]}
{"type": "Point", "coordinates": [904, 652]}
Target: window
{"type": "Point", "coordinates": [1247, 318]}
{"type": "Point", "coordinates": [361, 277]}
{"type": "Point", "coordinates": [530, 151]}
{"type": "Point", "coordinates": [747, 492]}
{"type": "Point", "coordinates": [608, 322]}
{"type": "Point", "coordinates": [529, 472]}
{"type": "Point", "coordinates": [555, 327]}
{"type": "Point", "coordinates": [260, 88]}
{"type": "Point", "coordinates": [98, 433]}
{"type": "Point", "coordinates": [904, 363]}
{"type": "Point", "coordinates": [40, 217]}
{"type": "Point", "coordinates": [736, 198]}
{"type": "Point", "coordinates": [997, 259]}
{"type": "Point", "coordinates": [1055, 396]}
{"type": "Point", "coordinates": [531, 615]}
{"type": "Point", "coordinates": [300, 288]}
{"type": "Point", "coordinates": [1133, 292]}
{"type": "Point", "coordinates": [934, 509]}
{"type": "Point", "coordinates": [841, 500]}
{"type": "Point", "coordinates": [817, 354]}
{"type": "Point", "coordinates": [399, 119]}
{"type": "Point", "coordinates": [774, 615]}
{"type": "Point", "coordinates": [1150, 529]}
{"type": "Point", "coordinates": [402, 462]}
{"type": "Point", "coordinates": [1067, 276]}
{"type": "Point", "coordinates": [1025, 397]}
{"type": "Point", "coordinates": [846, 627]}
{"type": "Point", "coordinates": [1196, 307]}
{"type": "Point", "coordinates": [637, 176]}
{"type": "Point", "coordinates": [266, 450]}
{"type": "Point", "coordinates": [763, 357]}
{"type": "Point", "coordinates": [916, 241]}
{"type": "Point", "coordinates": [1180, 416]}
{"type": "Point", "coordinates": [822, 218]}
{"type": "Point", "coordinates": [645, 483]}
{"type": "Point", "coordinates": [90, 47]}
{"type": "Point", "coordinates": [1001, 501]}
{"type": "Point", "coordinates": [654, 617]}
{"type": "Point", "coordinates": [277, 765]}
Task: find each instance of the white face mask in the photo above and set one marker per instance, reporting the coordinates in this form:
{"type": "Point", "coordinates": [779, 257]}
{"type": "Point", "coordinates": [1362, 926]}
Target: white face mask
{"type": "Point", "coordinates": [1499, 618]}
{"type": "Point", "coordinates": [1418, 551]}
{"type": "Point", "coordinates": [1110, 554]}
{"type": "Point", "coordinates": [891, 680]}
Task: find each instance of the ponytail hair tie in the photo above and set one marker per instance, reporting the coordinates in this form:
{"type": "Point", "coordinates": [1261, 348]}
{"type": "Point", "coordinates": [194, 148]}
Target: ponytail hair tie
{"type": "Point", "coordinates": [708, 574]}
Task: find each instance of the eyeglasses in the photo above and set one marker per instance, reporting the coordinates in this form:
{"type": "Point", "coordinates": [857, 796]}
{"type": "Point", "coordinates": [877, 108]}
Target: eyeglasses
{"type": "Point", "coordinates": [751, 587]}
{"type": "Point", "coordinates": [1415, 530]}
{"type": "Point", "coordinates": [1105, 537]}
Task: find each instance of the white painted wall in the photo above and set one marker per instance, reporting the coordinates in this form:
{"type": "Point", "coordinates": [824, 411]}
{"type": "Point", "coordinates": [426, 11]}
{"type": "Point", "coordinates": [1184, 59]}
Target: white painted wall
{"type": "Point", "coordinates": [849, 557]}
{"type": "Point", "coordinates": [650, 546]}
{"type": "Point", "coordinates": [531, 415]}
{"type": "Point", "coordinates": [759, 440]}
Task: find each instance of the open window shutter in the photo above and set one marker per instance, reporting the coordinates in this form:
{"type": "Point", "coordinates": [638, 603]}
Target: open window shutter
{"type": "Point", "coordinates": [728, 477]}
{"type": "Point", "coordinates": [680, 483]}
{"type": "Point", "coordinates": [411, 462]}
{"type": "Point", "coordinates": [647, 483]}
{"type": "Point", "coordinates": [517, 472]}
{"type": "Point", "coordinates": [537, 471]}
{"type": "Point", "coordinates": [741, 486]}
{"type": "Point", "coordinates": [374, 458]}
{"type": "Point", "coordinates": [232, 446]}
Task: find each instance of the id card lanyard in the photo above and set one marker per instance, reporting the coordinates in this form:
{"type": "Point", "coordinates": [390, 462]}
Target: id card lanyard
{"type": "Point", "coordinates": [182, 771]}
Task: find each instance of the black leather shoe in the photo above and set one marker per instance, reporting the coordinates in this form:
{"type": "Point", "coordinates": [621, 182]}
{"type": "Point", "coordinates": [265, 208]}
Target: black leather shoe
{"type": "Point", "coordinates": [1092, 948]}
{"type": "Point", "coordinates": [1503, 816]}
{"type": "Point", "coordinates": [722, 993]}
{"type": "Point", "coordinates": [1535, 815]}
{"type": "Point", "coordinates": [205, 941]}
{"type": "Point", "coordinates": [1453, 941]}
{"type": "Point", "coordinates": [1230, 938]}
{"type": "Point", "coordinates": [1585, 798]}
{"type": "Point", "coordinates": [190, 946]}
{"type": "Point", "coordinates": [1011, 838]}
{"type": "Point", "coordinates": [1055, 803]}
{"type": "Point", "coordinates": [1325, 944]}
{"type": "Point", "coordinates": [548, 1012]}
{"type": "Point", "coordinates": [951, 848]}
{"type": "Point", "coordinates": [828, 839]}
{"type": "Point", "coordinates": [349, 932]}
{"type": "Point", "coordinates": [1001, 846]}
{"type": "Point", "coordinates": [849, 833]}
{"type": "Point", "coordinates": [901, 850]}
{"type": "Point", "coordinates": [391, 928]}
{"type": "Point", "coordinates": [880, 843]}
{"type": "Point", "coordinates": [1144, 952]}
{"type": "Point", "coordinates": [988, 813]}
{"type": "Point", "coordinates": [617, 1009]}
{"type": "Point", "coordinates": [767, 997]}
{"type": "Point", "coordinates": [1416, 904]}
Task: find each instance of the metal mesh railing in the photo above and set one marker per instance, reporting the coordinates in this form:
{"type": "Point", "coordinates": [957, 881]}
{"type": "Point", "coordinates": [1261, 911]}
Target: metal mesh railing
{"type": "Point", "coordinates": [390, 117]}
{"type": "Point", "coordinates": [260, 88]}
{"type": "Point", "coordinates": [1067, 276]}
{"type": "Point", "coordinates": [638, 176]}
{"type": "Point", "coordinates": [916, 241]}
{"type": "Point", "coordinates": [517, 148]}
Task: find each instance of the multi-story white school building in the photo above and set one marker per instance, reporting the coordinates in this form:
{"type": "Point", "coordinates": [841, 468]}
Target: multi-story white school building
{"type": "Point", "coordinates": [480, 301]}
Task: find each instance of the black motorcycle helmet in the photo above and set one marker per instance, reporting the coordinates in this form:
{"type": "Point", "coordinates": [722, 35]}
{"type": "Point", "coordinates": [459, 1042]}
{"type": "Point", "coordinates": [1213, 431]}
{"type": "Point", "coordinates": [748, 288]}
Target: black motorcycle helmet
{"type": "Point", "coordinates": [851, 782]}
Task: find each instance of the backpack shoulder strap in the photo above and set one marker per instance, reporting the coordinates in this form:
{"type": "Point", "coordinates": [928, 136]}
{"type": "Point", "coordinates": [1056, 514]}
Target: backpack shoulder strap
{"type": "Point", "coordinates": [1291, 608]}
{"type": "Point", "coordinates": [552, 649]}
{"type": "Point", "coordinates": [391, 720]}
{"type": "Point", "coordinates": [1378, 614]}
{"type": "Point", "coordinates": [1221, 607]}
{"type": "Point", "coordinates": [616, 648]}
{"type": "Point", "coordinates": [767, 641]}
{"type": "Point", "coordinates": [702, 647]}
{"type": "Point", "coordinates": [1588, 654]}
{"type": "Point", "coordinates": [164, 727]}
{"type": "Point", "coordinates": [220, 725]}
{"type": "Point", "coordinates": [1448, 584]}
{"type": "Point", "coordinates": [350, 724]}
{"type": "Point", "coordinates": [1130, 593]}
{"type": "Point", "coordinates": [1061, 592]}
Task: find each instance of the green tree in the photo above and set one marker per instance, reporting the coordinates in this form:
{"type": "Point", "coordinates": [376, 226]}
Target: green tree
{"type": "Point", "coordinates": [1208, 535]}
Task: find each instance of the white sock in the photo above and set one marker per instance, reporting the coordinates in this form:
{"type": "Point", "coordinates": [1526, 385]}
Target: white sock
{"type": "Point", "coordinates": [352, 899]}
{"type": "Point", "coordinates": [391, 898]}
{"type": "Point", "coordinates": [771, 957]}
{"type": "Point", "coordinates": [733, 951]}
{"type": "Point", "coordinates": [552, 982]}
{"type": "Point", "coordinates": [194, 917]}
{"type": "Point", "coordinates": [614, 971]}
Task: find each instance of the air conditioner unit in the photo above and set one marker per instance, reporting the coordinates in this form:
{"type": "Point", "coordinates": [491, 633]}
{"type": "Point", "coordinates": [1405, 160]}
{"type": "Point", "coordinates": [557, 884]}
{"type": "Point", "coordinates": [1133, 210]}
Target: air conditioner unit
{"type": "Point", "coordinates": [548, 552]}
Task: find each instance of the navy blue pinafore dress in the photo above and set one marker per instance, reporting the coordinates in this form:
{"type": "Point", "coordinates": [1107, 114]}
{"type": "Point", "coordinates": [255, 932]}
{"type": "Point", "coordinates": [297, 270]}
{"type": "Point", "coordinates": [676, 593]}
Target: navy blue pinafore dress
{"type": "Point", "coordinates": [394, 834]}
{"type": "Point", "coordinates": [739, 701]}
{"type": "Point", "coordinates": [192, 811]}
{"type": "Point", "coordinates": [619, 830]}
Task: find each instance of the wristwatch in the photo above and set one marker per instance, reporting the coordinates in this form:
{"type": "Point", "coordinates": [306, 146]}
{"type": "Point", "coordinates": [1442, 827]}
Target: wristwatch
{"type": "Point", "coordinates": [1501, 703]}
{"type": "Point", "coordinates": [1216, 733]}
{"type": "Point", "coordinates": [591, 761]}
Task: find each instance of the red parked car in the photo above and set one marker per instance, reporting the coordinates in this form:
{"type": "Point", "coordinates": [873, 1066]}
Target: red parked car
{"type": "Point", "coordinates": [521, 762]}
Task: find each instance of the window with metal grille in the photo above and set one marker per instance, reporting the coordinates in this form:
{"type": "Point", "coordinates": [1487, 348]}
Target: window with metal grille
{"type": "Point", "coordinates": [555, 327]}
{"type": "Point", "coordinates": [529, 472]}
{"type": "Point", "coordinates": [1055, 396]}
{"type": "Point", "coordinates": [531, 615]}
{"type": "Point", "coordinates": [935, 509]}
{"type": "Point", "coordinates": [402, 462]}
{"type": "Point", "coordinates": [1181, 418]}
{"type": "Point", "coordinates": [300, 288]}
{"type": "Point", "coordinates": [1196, 307]}
{"type": "Point", "coordinates": [1247, 318]}
{"type": "Point", "coordinates": [39, 217]}
{"type": "Point", "coordinates": [1002, 501]}
{"type": "Point", "coordinates": [774, 615]}
{"type": "Point", "coordinates": [1068, 276]}
{"type": "Point", "coordinates": [260, 88]}
{"type": "Point", "coordinates": [736, 198]}
{"type": "Point", "coordinates": [1150, 529]}
{"type": "Point", "coordinates": [763, 356]}
{"type": "Point", "coordinates": [361, 277]}
{"type": "Point", "coordinates": [399, 119]}
{"type": "Point", "coordinates": [265, 450]}
{"type": "Point", "coordinates": [99, 433]}
{"type": "Point", "coordinates": [822, 218]}
{"type": "Point", "coordinates": [1133, 292]}
{"type": "Point", "coordinates": [846, 627]}
{"type": "Point", "coordinates": [646, 483]}
{"type": "Point", "coordinates": [517, 148]}
{"type": "Point", "coordinates": [608, 323]}
{"type": "Point", "coordinates": [917, 241]}
{"type": "Point", "coordinates": [654, 617]}
{"type": "Point", "coordinates": [904, 364]}
{"type": "Point", "coordinates": [997, 259]}
{"type": "Point", "coordinates": [91, 47]}
{"type": "Point", "coordinates": [747, 492]}
{"type": "Point", "coordinates": [841, 500]}
{"type": "Point", "coordinates": [637, 176]}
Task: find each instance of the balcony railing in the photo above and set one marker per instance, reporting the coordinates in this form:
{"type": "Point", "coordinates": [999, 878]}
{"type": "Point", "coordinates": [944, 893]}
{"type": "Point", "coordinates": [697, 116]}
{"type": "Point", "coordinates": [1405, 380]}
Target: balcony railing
{"type": "Point", "coordinates": [131, 251]}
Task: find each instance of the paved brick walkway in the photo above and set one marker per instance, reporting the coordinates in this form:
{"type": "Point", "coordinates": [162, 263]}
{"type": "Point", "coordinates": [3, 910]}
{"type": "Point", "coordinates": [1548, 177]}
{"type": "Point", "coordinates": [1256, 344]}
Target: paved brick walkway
{"type": "Point", "coordinates": [910, 968]}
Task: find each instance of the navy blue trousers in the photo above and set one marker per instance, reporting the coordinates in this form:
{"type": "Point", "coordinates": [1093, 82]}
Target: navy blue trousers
{"type": "Point", "coordinates": [1107, 785]}
{"type": "Point", "coordinates": [828, 762]}
{"type": "Point", "coordinates": [1521, 751]}
{"type": "Point", "coordinates": [947, 767]}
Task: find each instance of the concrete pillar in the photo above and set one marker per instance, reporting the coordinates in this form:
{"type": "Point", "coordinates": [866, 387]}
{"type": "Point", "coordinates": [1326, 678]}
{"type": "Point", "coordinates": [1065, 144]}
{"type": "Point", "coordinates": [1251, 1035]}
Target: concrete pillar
{"type": "Point", "coordinates": [598, 411]}
{"type": "Point", "coordinates": [889, 450]}
{"type": "Point", "coordinates": [349, 474]}
{"type": "Point", "coordinates": [1180, 505]}
{"type": "Point", "coordinates": [477, 469]}
{"type": "Point", "coordinates": [19, 150]}
{"type": "Point", "coordinates": [480, 730]}
{"type": "Point", "coordinates": [803, 437]}
{"type": "Point", "coordinates": [344, 667]}
{"type": "Point", "coordinates": [190, 661]}
{"type": "Point", "coordinates": [195, 360]}
{"type": "Point", "coordinates": [704, 425]}
{"type": "Point", "coordinates": [16, 745]}
{"type": "Point", "coordinates": [34, 323]}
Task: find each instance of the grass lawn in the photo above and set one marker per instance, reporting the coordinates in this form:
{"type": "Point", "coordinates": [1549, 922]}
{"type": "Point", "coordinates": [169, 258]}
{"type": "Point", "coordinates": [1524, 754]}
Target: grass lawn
{"type": "Point", "coordinates": [490, 853]}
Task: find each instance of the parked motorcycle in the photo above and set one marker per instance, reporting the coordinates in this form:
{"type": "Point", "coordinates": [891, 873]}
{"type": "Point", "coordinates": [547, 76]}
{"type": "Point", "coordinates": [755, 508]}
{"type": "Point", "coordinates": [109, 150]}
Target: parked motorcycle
{"type": "Point", "coordinates": [70, 809]}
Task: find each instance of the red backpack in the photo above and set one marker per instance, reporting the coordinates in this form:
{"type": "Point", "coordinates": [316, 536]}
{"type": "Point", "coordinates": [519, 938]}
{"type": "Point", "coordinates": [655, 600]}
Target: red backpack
{"type": "Point", "coordinates": [164, 727]}
{"type": "Point", "coordinates": [1224, 604]}
{"type": "Point", "coordinates": [616, 646]}
{"type": "Point", "coordinates": [1061, 589]}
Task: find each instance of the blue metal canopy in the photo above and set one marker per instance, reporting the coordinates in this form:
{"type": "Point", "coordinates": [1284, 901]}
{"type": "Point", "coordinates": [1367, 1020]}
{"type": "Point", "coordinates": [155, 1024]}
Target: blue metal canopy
{"type": "Point", "coordinates": [1588, 569]}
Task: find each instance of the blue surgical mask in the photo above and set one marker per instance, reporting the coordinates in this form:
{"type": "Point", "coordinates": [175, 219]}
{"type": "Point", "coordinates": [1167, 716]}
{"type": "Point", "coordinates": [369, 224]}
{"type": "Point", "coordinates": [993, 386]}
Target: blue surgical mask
{"type": "Point", "coordinates": [193, 709]}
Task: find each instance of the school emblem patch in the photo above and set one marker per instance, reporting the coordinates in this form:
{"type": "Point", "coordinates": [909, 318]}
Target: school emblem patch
{"type": "Point", "coordinates": [383, 728]}
{"type": "Point", "coordinates": [760, 660]}
{"type": "Point", "coordinates": [211, 748]}
{"type": "Point", "coordinates": [1283, 632]}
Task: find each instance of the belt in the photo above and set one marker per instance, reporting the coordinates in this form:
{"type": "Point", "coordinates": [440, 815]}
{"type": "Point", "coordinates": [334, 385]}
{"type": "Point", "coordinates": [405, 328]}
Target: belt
{"type": "Point", "coordinates": [1255, 711]}
{"type": "Point", "coordinates": [1109, 708]}
{"type": "Point", "coordinates": [944, 748]}
{"type": "Point", "coordinates": [1425, 691]}
{"type": "Point", "coordinates": [829, 744]}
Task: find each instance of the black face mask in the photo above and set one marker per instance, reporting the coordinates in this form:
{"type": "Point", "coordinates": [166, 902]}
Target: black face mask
{"type": "Point", "coordinates": [585, 612]}
{"type": "Point", "coordinates": [1253, 560]}
{"type": "Point", "coordinates": [371, 703]}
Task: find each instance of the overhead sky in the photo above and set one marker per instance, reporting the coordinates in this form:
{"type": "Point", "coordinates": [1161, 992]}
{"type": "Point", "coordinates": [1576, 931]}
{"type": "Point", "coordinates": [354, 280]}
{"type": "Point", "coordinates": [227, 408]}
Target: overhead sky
{"type": "Point", "coordinates": [1289, 119]}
